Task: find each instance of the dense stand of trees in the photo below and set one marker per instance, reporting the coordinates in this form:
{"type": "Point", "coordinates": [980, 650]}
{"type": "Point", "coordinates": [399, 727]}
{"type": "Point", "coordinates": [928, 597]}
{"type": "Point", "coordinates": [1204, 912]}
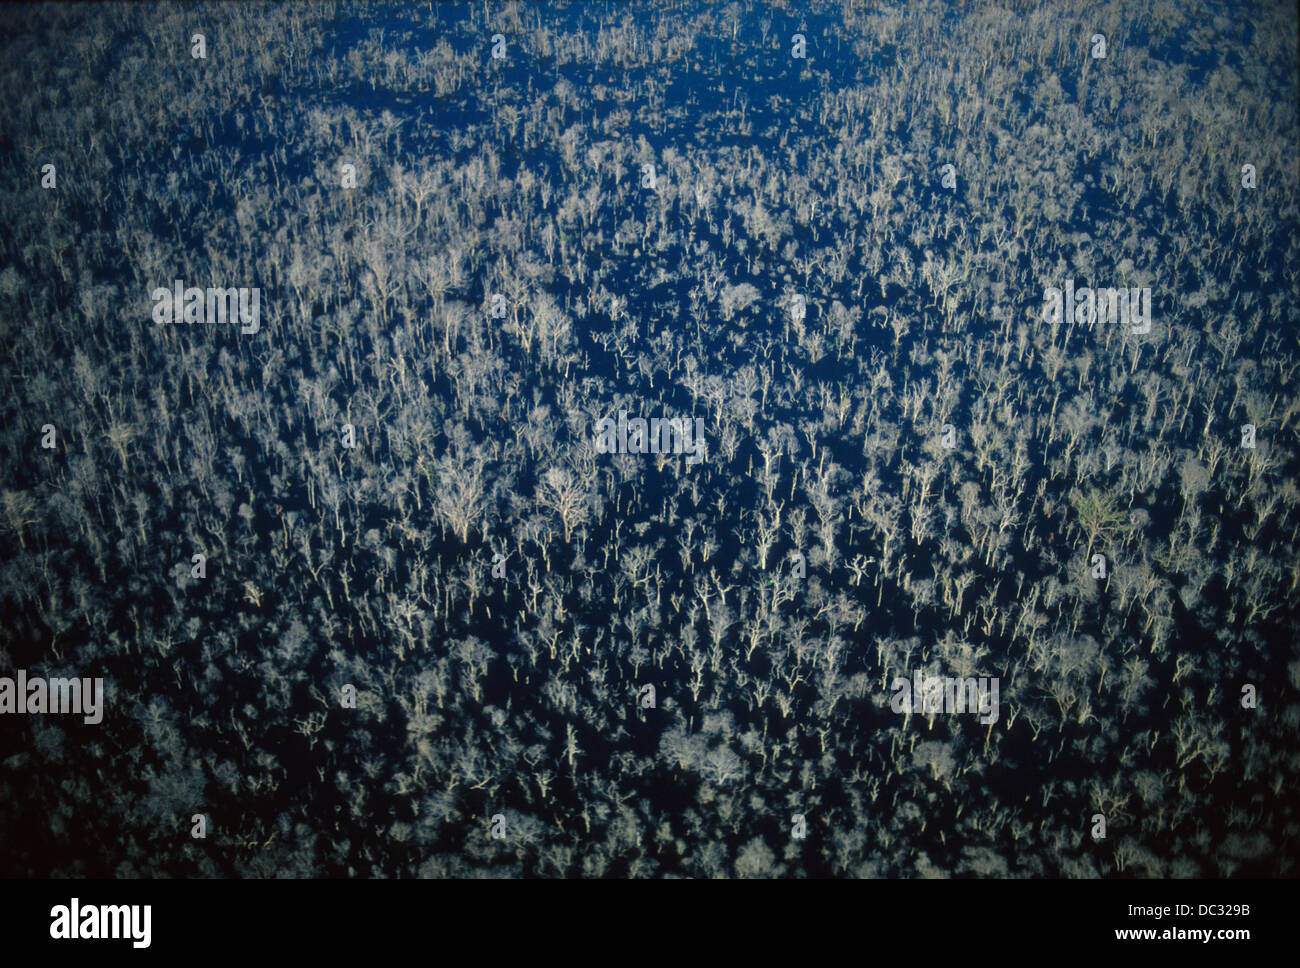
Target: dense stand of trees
{"type": "Point", "coordinates": [396, 491]}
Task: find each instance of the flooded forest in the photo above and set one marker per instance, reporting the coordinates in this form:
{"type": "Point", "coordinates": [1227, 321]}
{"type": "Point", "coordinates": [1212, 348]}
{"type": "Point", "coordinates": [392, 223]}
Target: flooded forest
{"type": "Point", "coordinates": [680, 439]}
